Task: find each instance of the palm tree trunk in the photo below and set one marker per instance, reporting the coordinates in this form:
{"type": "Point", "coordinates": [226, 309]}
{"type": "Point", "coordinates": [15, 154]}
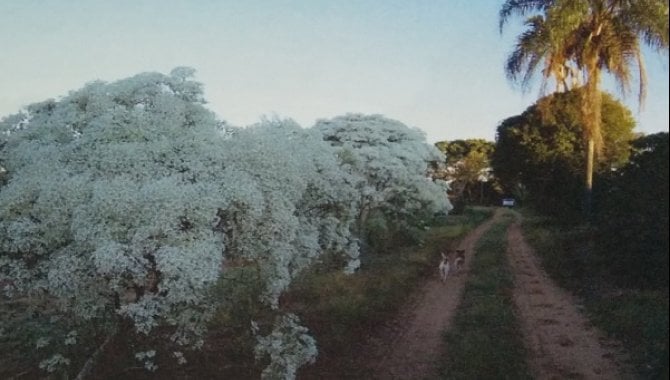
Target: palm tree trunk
{"type": "Point", "coordinates": [588, 181]}
{"type": "Point", "coordinates": [591, 114]}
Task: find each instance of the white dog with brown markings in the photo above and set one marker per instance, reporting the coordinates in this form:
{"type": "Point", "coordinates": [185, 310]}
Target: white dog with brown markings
{"type": "Point", "coordinates": [444, 267]}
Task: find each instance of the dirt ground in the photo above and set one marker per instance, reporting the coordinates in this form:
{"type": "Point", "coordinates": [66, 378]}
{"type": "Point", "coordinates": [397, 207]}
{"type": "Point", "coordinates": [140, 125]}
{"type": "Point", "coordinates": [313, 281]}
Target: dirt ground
{"type": "Point", "coordinates": [560, 341]}
{"type": "Point", "coordinates": [409, 347]}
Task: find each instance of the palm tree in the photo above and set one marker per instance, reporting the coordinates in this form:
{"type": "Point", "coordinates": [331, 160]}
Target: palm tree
{"type": "Point", "coordinates": [533, 48]}
{"type": "Point", "coordinates": [590, 36]}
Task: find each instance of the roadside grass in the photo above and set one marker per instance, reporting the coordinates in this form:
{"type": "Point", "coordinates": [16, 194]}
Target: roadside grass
{"type": "Point", "coordinates": [485, 340]}
{"type": "Point", "coordinates": [341, 310]}
{"type": "Point", "coordinates": [637, 318]}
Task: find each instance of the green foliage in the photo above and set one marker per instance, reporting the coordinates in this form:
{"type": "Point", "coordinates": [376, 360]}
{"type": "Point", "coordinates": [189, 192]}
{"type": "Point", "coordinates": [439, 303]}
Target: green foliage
{"type": "Point", "coordinates": [543, 149]}
{"type": "Point", "coordinates": [24, 342]}
{"type": "Point", "coordinates": [382, 234]}
{"type": "Point", "coordinates": [471, 217]}
{"type": "Point", "coordinates": [457, 150]}
{"type": "Point", "coordinates": [459, 205]}
{"type": "Point", "coordinates": [633, 216]}
{"type": "Point", "coordinates": [485, 340]}
{"type": "Point", "coordinates": [640, 320]}
{"type": "Point", "coordinates": [577, 40]}
{"type": "Point", "coordinates": [566, 251]}
{"type": "Point", "coordinates": [468, 172]}
{"type": "Point", "coordinates": [238, 290]}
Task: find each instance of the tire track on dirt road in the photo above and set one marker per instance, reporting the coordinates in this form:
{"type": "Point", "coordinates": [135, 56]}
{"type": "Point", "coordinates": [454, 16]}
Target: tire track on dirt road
{"type": "Point", "coordinates": [561, 342]}
{"type": "Point", "coordinates": [410, 346]}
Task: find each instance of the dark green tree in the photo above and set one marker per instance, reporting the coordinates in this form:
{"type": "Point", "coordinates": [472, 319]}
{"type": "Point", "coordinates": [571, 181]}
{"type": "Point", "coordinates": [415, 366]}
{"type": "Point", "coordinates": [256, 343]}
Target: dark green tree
{"type": "Point", "coordinates": [588, 37]}
{"type": "Point", "coordinates": [457, 150]}
{"type": "Point", "coordinates": [541, 149]}
{"type": "Point", "coordinates": [467, 169]}
{"type": "Point", "coordinates": [633, 216]}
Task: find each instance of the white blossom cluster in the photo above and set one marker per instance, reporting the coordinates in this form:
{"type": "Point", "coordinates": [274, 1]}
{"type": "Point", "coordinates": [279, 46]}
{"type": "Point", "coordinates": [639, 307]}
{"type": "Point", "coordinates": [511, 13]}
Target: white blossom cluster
{"type": "Point", "coordinates": [289, 347]}
{"type": "Point", "coordinates": [392, 160]}
{"type": "Point", "coordinates": [111, 195]}
{"type": "Point", "coordinates": [294, 201]}
{"type": "Point", "coordinates": [130, 198]}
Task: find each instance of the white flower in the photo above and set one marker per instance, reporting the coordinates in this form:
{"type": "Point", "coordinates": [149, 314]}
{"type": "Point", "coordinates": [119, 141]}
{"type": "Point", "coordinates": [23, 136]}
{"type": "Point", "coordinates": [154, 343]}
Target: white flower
{"type": "Point", "coordinates": [42, 342]}
{"type": "Point", "coordinates": [54, 363]}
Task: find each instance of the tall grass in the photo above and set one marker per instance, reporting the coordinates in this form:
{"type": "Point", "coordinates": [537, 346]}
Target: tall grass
{"type": "Point", "coordinates": [485, 341]}
{"type": "Point", "coordinates": [637, 318]}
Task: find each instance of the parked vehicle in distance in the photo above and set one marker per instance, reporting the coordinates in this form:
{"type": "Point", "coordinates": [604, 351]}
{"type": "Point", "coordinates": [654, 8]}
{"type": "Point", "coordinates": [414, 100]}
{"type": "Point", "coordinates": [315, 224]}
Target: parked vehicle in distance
{"type": "Point", "coordinates": [508, 202]}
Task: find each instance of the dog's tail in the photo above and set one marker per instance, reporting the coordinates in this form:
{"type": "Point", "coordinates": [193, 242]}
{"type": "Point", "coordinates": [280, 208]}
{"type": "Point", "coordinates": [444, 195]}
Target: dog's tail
{"type": "Point", "coordinates": [458, 262]}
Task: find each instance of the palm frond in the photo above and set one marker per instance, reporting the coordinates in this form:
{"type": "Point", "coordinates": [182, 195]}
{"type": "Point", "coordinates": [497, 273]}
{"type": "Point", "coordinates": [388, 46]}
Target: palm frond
{"type": "Point", "coordinates": [569, 36]}
{"type": "Point", "coordinates": [521, 8]}
{"type": "Point", "coordinates": [650, 19]}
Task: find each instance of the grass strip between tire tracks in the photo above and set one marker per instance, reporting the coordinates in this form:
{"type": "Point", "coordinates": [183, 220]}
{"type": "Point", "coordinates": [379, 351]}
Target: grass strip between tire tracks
{"type": "Point", "coordinates": [485, 340]}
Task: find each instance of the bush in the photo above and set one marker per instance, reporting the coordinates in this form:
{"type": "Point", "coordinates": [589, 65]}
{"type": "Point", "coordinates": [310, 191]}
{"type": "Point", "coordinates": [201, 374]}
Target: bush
{"type": "Point", "coordinates": [632, 216]}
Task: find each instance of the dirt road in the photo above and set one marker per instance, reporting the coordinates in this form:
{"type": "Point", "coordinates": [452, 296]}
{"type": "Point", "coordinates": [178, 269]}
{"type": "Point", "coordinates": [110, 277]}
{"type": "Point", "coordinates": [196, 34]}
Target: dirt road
{"type": "Point", "coordinates": [559, 339]}
{"type": "Point", "coordinates": [409, 347]}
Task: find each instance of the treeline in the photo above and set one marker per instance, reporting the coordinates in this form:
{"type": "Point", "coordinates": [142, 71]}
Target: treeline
{"type": "Point", "coordinates": [538, 158]}
{"type": "Point", "coordinates": [579, 131]}
{"type": "Point", "coordinates": [467, 169]}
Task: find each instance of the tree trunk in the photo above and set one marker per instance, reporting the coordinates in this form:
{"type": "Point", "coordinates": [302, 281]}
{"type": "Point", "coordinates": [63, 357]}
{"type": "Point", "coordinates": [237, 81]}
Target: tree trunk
{"type": "Point", "coordinates": [362, 219]}
{"type": "Point", "coordinates": [591, 118]}
{"type": "Point", "coordinates": [85, 371]}
{"type": "Point", "coordinates": [588, 181]}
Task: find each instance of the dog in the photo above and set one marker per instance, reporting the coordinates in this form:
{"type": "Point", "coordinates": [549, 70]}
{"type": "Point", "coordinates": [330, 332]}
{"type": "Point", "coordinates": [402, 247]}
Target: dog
{"type": "Point", "coordinates": [459, 260]}
{"type": "Point", "coordinates": [444, 267]}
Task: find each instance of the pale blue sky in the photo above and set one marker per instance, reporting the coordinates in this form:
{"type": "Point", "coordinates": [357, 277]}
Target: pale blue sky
{"type": "Point", "coordinates": [432, 64]}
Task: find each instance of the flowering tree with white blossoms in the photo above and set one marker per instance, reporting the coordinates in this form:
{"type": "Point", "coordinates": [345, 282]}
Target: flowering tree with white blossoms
{"type": "Point", "coordinates": [300, 204]}
{"type": "Point", "coordinates": [123, 204]}
{"type": "Point", "coordinates": [392, 159]}
{"type": "Point", "coordinates": [299, 201]}
{"type": "Point", "coordinates": [110, 202]}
